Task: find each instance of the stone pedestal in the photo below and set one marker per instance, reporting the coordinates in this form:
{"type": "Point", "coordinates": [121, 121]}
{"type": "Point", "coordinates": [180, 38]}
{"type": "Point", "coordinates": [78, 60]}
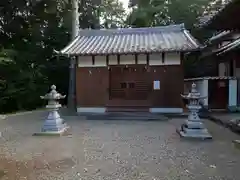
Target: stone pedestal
{"type": "Point", "coordinates": [201, 133]}
{"type": "Point", "coordinates": [54, 124]}
{"type": "Point", "coordinates": [193, 127]}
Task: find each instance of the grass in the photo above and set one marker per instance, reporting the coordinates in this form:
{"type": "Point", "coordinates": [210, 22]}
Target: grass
{"type": "Point", "coordinates": [23, 111]}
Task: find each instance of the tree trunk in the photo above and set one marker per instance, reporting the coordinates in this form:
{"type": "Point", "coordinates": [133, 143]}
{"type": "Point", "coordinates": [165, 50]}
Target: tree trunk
{"type": "Point", "coordinates": [72, 67]}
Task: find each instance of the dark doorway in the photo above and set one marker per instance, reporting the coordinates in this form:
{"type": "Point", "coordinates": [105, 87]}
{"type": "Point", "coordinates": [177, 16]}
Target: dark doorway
{"type": "Point", "coordinates": [218, 94]}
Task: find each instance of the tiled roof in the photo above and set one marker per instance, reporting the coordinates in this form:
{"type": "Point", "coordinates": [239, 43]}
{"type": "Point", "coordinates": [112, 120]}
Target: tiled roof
{"type": "Point", "coordinates": [231, 46]}
{"type": "Point", "coordinates": [211, 78]}
{"type": "Point", "coordinates": [131, 40]}
{"type": "Point", "coordinates": [219, 35]}
{"type": "Point", "coordinates": [228, 47]}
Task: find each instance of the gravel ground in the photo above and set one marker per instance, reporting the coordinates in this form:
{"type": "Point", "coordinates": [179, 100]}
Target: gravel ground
{"type": "Point", "coordinates": [114, 150]}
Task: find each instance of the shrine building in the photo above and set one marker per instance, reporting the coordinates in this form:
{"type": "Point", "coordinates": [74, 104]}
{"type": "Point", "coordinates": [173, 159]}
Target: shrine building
{"type": "Point", "coordinates": [221, 55]}
{"type": "Point", "coordinates": [130, 69]}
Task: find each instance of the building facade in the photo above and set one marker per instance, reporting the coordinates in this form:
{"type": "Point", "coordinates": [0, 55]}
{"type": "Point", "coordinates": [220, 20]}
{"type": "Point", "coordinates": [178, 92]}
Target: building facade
{"type": "Point", "coordinates": [222, 49]}
{"type": "Point", "coordinates": [131, 69]}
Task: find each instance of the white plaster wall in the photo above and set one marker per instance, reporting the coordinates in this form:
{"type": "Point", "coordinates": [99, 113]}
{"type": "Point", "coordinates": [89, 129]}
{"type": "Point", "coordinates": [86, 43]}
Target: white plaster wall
{"type": "Point", "coordinates": [142, 59]}
{"type": "Point", "coordinates": [199, 85]}
{"type": "Point", "coordinates": [91, 109]}
{"type": "Point", "coordinates": [204, 91]}
{"type": "Point", "coordinates": [234, 67]}
{"type": "Point", "coordinates": [127, 59]}
{"type": "Point", "coordinates": [232, 98]}
{"type": "Point", "coordinates": [100, 61]}
{"type": "Point", "coordinates": [172, 59]}
{"type": "Point", "coordinates": [236, 73]}
{"type": "Point", "coordinates": [154, 60]}
{"type": "Point", "coordinates": [85, 61]}
{"type": "Point", "coordinates": [100, 110]}
{"type": "Point", "coordinates": [112, 60]}
{"type": "Point", "coordinates": [221, 69]}
{"type": "Point", "coordinates": [166, 110]}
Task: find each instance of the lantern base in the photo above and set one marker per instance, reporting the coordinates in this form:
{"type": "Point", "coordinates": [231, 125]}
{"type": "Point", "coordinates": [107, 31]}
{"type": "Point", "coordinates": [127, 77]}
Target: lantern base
{"type": "Point", "coordinates": [53, 125]}
{"type": "Point", "coordinates": [201, 134]}
{"type": "Point", "coordinates": [58, 132]}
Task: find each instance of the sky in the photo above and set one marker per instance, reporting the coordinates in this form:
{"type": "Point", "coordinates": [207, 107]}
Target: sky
{"type": "Point", "coordinates": [125, 3]}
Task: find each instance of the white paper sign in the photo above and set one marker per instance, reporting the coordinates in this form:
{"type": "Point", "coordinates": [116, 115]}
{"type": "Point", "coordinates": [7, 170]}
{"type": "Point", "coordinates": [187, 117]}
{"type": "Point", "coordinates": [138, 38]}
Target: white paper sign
{"type": "Point", "coordinates": [156, 85]}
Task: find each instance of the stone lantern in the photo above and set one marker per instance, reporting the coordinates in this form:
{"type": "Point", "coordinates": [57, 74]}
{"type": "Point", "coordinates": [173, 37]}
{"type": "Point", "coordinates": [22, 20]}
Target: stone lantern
{"type": "Point", "coordinates": [193, 127]}
{"type": "Point", "coordinates": [54, 124]}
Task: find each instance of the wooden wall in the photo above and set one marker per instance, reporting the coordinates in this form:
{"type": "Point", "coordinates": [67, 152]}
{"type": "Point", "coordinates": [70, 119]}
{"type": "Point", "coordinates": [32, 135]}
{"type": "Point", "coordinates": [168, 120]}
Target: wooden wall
{"type": "Point", "coordinates": [92, 81]}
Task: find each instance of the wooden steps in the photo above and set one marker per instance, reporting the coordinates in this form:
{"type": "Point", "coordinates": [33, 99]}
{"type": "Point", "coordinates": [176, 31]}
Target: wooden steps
{"type": "Point", "coordinates": [128, 116]}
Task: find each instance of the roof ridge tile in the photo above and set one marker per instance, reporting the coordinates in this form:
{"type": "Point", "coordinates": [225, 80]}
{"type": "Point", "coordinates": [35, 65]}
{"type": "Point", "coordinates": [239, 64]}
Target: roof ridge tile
{"type": "Point", "coordinates": [122, 31]}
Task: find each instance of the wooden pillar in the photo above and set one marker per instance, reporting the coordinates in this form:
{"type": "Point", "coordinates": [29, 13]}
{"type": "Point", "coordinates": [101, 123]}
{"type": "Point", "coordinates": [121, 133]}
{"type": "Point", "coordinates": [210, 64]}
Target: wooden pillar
{"type": "Point", "coordinates": [93, 60]}
{"type": "Point", "coordinates": [147, 56]}
{"type": "Point", "coordinates": [163, 57]}
{"type": "Point", "coordinates": [136, 58]}
{"type": "Point", "coordinates": [107, 60]}
{"type": "Point", "coordinates": [118, 59]}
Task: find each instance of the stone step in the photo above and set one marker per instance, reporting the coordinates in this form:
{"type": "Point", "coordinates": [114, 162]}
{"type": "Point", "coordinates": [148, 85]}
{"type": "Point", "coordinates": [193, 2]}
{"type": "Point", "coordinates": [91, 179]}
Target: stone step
{"type": "Point", "coordinates": [127, 109]}
{"type": "Point", "coordinates": [125, 116]}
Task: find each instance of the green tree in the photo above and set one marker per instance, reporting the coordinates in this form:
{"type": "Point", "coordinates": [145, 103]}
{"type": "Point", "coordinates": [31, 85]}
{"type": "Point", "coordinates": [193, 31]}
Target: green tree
{"type": "Point", "coordinates": [33, 31]}
{"type": "Point", "coordinates": [164, 12]}
{"type": "Point", "coordinates": [148, 13]}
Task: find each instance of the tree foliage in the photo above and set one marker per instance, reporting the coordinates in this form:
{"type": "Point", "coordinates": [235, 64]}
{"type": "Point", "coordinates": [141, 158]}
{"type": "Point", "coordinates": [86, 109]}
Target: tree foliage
{"type": "Point", "coordinates": [164, 12]}
{"type": "Point", "coordinates": [32, 31]}
{"type": "Point", "coordinates": [149, 13]}
{"type": "Point", "coordinates": [112, 14]}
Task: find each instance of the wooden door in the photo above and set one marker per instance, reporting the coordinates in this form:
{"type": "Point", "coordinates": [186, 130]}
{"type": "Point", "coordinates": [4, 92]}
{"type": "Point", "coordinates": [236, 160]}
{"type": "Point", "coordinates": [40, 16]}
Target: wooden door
{"type": "Point", "coordinates": [218, 94]}
{"type": "Point", "coordinates": [129, 83]}
{"type": "Point", "coordinates": [116, 90]}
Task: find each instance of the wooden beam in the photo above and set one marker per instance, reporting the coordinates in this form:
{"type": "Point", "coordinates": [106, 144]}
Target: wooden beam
{"type": "Point", "coordinates": [181, 59]}
{"type": "Point", "coordinates": [147, 57]}
{"type": "Point", "coordinates": [93, 60]}
{"type": "Point", "coordinates": [107, 60]}
{"type": "Point", "coordinates": [76, 64]}
{"type": "Point", "coordinates": [181, 56]}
